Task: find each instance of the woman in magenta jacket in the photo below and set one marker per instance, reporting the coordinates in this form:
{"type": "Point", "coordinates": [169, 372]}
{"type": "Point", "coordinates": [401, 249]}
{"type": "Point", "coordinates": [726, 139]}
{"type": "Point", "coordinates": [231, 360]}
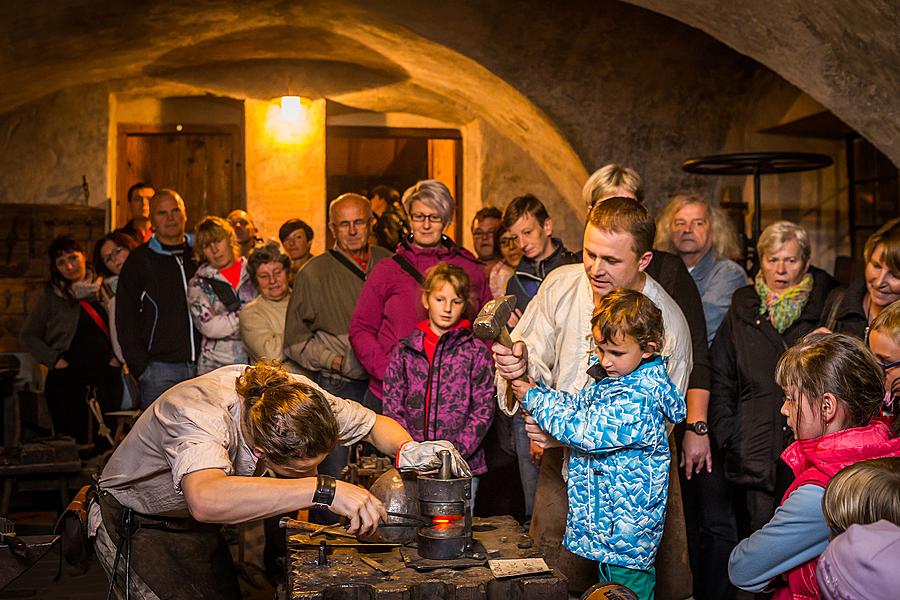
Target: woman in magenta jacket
{"type": "Point", "coordinates": [390, 303]}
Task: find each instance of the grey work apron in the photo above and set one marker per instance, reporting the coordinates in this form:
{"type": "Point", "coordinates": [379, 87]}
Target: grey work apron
{"type": "Point", "coordinates": [177, 558]}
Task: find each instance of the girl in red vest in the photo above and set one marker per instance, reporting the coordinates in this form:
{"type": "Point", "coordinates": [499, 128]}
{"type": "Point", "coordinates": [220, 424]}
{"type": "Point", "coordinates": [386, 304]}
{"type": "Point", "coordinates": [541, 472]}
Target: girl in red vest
{"type": "Point", "coordinates": [833, 388]}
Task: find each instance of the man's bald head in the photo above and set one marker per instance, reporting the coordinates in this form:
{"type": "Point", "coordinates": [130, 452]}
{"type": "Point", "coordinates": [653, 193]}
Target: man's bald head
{"type": "Point", "coordinates": [244, 227]}
{"type": "Point", "coordinates": [350, 220]}
{"type": "Point", "coordinates": [167, 194]}
{"type": "Point", "coordinates": [349, 200]}
{"type": "Point", "coordinates": [168, 216]}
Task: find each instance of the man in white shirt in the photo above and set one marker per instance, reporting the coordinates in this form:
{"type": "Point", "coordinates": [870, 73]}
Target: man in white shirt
{"type": "Point", "coordinates": [553, 339]}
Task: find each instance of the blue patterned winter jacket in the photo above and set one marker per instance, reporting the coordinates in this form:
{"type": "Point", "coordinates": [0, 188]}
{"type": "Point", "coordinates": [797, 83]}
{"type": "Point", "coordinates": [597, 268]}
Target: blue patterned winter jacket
{"type": "Point", "coordinates": [619, 460]}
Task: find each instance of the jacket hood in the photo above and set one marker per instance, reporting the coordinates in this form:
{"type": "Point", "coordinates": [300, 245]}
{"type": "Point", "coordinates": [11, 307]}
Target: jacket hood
{"type": "Point", "coordinates": [851, 301]}
{"type": "Point", "coordinates": [423, 258]}
{"type": "Point", "coordinates": [416, 340]}
{"type": "Point", "coordinates": [831, 453]}
{"type": "Point", "coordinates": [210, 272]}
{"type": "Point", "coordinates": [155, 245]}
{"type": "Point", "coordinates": [528, 267]}
{"type": "Point", "coordinates": [652, 373]}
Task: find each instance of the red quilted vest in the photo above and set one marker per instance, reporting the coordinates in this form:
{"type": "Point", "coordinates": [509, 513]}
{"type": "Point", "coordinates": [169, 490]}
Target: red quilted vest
{"type": "Point", "coordinates": [815, 462]}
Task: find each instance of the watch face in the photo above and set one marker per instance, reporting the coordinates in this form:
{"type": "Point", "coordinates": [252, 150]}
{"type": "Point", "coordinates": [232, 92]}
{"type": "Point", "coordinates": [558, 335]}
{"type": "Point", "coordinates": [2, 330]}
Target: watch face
{"type": "Point", "coordinates": [700, 428]}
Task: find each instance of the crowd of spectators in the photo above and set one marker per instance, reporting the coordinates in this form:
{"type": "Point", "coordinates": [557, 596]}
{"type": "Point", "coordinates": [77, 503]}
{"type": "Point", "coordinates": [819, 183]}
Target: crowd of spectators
{"type": "Point", "coordinates": [384, 316]}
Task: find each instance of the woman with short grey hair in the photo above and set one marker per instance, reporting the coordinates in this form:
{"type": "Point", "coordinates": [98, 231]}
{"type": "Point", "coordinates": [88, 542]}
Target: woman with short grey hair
{"type": "Point", "coordinates": [390, 305]}
{"type": "Point", "coordinates": [784, 303]}
{"type": "Point", "coordinates": [433, 194]}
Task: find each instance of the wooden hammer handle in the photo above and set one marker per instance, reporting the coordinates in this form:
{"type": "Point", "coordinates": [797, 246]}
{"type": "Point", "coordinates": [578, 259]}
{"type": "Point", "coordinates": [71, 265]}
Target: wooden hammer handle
{"type": "Point", "coordinates": [504, 339]}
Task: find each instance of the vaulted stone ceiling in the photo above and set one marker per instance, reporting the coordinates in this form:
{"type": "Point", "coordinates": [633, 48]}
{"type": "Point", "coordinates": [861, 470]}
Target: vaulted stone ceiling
{"type": "Point", "coordinates": [845, 54]}
{"type": "Point", "coordinates": [526, 67]}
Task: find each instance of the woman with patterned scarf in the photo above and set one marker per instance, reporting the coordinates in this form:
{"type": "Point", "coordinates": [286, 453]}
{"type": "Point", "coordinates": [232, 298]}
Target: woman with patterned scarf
{"type": "Point", "coordinates": [746, 429]}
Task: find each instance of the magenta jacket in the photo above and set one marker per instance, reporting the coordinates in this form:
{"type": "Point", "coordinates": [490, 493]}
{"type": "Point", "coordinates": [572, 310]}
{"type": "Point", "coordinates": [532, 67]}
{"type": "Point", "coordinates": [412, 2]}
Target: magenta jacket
{"type": "Point", "coordinates": [450, 398]}
{"type": "Point", "coordinates": [390, 304]}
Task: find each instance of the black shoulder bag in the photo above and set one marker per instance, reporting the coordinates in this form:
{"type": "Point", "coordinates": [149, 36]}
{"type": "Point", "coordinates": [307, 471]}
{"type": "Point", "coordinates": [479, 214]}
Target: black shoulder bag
{"type": "Point", "coordinates": [225, 293]}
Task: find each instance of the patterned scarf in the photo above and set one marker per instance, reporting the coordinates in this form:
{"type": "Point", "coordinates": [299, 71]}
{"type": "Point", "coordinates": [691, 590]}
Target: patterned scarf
{"type": "Point", "coordinates": [783, 307]}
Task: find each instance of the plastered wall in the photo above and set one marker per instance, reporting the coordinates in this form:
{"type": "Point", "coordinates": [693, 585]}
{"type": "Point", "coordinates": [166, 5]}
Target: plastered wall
{"type": "Point", "coordinates": [48, 145]}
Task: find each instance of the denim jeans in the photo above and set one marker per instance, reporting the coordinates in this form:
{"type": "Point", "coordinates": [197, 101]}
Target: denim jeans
{"type": "Point", "coordinates": [528, 472]}
{"type": "Point", "coordinates": [160, 376]}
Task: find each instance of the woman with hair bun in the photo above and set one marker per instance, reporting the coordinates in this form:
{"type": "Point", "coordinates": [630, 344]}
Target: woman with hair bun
{"type": "Point", "coordinates": [189, 465]}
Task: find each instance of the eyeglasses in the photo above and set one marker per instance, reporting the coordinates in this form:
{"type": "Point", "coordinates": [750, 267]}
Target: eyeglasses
{"type": "Point", "coordinates": [480, 233]}
{"type": "Point", "coordinates": [112, 254]}
{"type": "Point", "coordinates": [419, 218]}
{"type": "Point", "coordinates": [358, 223]}
{"type": "Point", "coordinates": [510, 241]}
{"type": "Point", "coordinates": [888, 366]}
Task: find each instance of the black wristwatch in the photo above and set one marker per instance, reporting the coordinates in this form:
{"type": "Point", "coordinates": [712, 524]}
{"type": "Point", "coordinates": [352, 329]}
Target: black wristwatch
{"type": "Point", "coordinates": [698, 427]}
{"type": "Point", "coordinates": [325, 488]}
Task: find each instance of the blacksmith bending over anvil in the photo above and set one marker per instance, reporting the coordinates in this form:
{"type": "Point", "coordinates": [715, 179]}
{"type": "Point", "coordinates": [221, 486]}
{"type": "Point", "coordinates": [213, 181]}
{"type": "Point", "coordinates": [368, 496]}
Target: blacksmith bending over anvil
{"type": "Point", "coordinates": [187, 467]}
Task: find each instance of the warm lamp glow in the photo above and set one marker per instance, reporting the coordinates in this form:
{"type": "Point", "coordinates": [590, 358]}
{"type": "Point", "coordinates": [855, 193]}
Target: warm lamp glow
{"type": "Point", "coordinates": [291, 109]}
{"type": "Point", "coordinates": [288, 121]}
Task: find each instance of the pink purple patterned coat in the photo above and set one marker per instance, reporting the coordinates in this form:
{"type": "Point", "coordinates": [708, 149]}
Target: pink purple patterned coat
{"type": "Point", "coordinates": [451, 399]}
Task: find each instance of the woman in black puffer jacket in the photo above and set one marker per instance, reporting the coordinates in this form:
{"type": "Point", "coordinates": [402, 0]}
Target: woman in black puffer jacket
{"type": "Point", "coordinates": [746, 427]}
{"type": "Point", "coordinates": [852, 309]}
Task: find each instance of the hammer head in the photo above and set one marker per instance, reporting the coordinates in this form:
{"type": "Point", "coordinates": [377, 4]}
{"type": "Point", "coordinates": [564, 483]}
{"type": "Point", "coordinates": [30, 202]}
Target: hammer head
{"type": "Point", "coordinates": [493, 317]}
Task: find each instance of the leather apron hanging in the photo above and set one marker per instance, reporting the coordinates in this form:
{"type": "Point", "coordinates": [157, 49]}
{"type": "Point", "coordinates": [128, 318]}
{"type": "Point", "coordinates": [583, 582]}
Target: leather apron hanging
{"type": "Point", "coordinates": [177, 558]}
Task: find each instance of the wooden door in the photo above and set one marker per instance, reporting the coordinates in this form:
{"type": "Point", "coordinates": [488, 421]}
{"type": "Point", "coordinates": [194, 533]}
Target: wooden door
{"type": "Point", "coordinates": [358, 158]}
{"type": "Point", "coordinates": [204, 165]}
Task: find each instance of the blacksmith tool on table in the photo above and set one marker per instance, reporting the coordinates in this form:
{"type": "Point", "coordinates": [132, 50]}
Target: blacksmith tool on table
{"type": "Point", "coordinates": [314, 529]}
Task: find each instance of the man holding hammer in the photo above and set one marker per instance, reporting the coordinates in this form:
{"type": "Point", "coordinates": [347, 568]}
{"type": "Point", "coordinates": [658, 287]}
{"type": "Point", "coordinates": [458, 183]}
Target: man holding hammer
{"type": "Point", "coordinates": [553, 342]}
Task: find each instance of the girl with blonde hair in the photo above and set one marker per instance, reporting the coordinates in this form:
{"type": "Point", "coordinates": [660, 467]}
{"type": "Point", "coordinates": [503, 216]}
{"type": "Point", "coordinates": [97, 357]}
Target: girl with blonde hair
{"type": "Point", "coordinates": [216, 294]}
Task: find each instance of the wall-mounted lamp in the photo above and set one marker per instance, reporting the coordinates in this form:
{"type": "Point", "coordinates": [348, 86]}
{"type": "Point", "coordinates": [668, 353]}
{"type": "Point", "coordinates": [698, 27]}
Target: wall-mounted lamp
{"type": "Point", "coordinates": [288, 119]}
{"type": "Point", "coordinates": [292, 109]}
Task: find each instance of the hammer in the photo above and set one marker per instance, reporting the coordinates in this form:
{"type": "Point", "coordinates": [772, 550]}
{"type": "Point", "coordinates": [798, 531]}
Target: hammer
{"type": "Point", "coordinates": [490, 324]}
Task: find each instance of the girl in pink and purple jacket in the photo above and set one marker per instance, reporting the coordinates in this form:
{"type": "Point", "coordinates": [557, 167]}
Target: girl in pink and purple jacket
{"type": "Point", "coordinates": [439, 380]}
{"type": "Point", "coordinates": [388, 307]}
{"type": "Point", "coordinates": [834, 389]}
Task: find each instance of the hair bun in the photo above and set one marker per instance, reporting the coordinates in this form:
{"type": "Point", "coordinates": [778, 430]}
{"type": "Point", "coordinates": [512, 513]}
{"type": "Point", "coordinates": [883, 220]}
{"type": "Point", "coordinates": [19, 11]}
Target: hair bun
{"type": "Point", "coordinates": [257, 379]}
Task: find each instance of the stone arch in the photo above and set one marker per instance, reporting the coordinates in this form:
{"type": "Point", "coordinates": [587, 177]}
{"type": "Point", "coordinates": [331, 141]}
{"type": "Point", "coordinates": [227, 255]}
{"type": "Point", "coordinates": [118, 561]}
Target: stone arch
{"type": "Point", "coordinates": [844, 55]}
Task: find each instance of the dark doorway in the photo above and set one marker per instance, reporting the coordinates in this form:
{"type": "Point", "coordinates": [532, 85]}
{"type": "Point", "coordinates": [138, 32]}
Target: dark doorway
{"type": "Point", "coordinates": [202, 163]}
{"type": "Point", "coordinates": [359, 158]}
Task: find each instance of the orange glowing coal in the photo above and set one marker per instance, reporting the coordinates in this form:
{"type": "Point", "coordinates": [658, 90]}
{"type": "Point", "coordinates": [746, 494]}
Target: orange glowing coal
{"type": "Point", "coordinates": [445, 522]}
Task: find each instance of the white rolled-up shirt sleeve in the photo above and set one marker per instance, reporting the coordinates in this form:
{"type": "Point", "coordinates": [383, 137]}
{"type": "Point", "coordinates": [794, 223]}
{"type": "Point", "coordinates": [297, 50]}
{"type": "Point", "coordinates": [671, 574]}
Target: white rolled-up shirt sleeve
{"type": "Point", "coordinates": [196, 440]}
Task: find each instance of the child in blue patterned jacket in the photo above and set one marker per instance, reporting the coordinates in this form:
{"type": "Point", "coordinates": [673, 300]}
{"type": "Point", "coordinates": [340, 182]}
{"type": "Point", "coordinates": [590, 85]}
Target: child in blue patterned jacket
{"type": "Point", "coordinates": [615, 429]}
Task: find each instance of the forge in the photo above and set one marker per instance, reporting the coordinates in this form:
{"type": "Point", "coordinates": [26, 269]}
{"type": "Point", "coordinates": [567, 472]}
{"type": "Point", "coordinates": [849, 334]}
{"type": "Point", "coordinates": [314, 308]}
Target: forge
{"type": "Point", "coordinates": [431, 547]}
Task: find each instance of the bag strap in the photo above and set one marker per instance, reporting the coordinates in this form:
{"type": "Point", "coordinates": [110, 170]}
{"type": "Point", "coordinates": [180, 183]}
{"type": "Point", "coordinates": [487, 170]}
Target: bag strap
{"type": "Point", "coordinates": [831, 321]}
{"type": "Point", "coordinates": [411, 270]}
{"type": "Point", "coordinates": [351, 266]}
{"type": "Point", "coordinates": [95, 316]}
{"type": "Point", "coordinates": [225, 293]}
